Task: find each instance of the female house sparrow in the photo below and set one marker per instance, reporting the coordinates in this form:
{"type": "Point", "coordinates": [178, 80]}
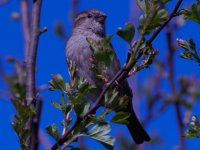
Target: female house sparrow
{"type": "Point", "coordinates": [91, 24]}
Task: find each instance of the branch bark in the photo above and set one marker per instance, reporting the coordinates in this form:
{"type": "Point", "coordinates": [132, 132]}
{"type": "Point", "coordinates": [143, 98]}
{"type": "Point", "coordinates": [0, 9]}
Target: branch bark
{"type": "Point", "coordinates": [25, 14]}
{"type": "Point", "coordinates": [32, 38]}
{"type": "Point", "coordinates": [35, 140]}
{"type": "Point", "coordinates": [32, 52]}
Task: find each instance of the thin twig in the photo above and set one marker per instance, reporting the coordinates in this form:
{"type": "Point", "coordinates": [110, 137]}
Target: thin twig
{"type": "Point", "coordinates": [122, 74]}
{"type": "Point", "coordinates": [66, 118]}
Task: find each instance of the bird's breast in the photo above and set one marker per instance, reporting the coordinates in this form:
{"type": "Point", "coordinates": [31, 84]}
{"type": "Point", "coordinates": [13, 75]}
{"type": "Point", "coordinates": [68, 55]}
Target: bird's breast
{"type": "Point", "coordinates": [78, 51]}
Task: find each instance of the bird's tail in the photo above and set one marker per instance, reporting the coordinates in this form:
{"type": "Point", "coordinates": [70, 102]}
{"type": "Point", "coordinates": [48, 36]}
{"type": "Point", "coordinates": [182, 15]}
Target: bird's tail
{"type": "Point", "coordinates": [137, 131]}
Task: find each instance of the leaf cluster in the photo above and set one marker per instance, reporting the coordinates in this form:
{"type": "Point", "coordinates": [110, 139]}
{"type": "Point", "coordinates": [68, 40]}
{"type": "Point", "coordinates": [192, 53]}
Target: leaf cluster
{"type": "Point", "coordinates": [193, 12]}
{"type": "Point", "coordinates": [190, 50]}
{"type": "Point", "coordinates": [23, 115]}
{"type": "Point", "coordinates": [153, 15]}
{"type": "Point", "coordinates": [77, 90]}
{"type": "Point", "coordinates": [193, 128]}
{"type": "Point", "coordinates": [24, 112]}
{"type": "Point", "coordinates": [102, 57]}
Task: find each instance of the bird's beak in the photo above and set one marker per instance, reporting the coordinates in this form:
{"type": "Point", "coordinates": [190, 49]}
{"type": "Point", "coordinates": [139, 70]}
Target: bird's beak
{"type": "Point", "coordinates": [101, 19]}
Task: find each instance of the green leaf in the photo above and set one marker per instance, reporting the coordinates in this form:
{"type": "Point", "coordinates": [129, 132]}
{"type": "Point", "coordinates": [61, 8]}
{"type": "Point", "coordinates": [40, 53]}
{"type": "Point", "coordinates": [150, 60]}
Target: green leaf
{"type": "Point", "coordinates": [53, 130]}
{"type": "Point", "coordinates": [147, 6]}
{"type": "Point", "coordinates": [102, 50]}
{"type": "Point", "coordinates": [193, 13]}
{"type": "Point", "coordinates": [57, 83]}
{"type": "Point", "coordinates": [24, 112]}
{"type": "Point", "coordinates": [100, 120]}
{"type": "Point", "coordinates": [86, 107]}
{"type": "Point", "coordinates": [64, 107]}
{"type": "Point", "coordinates": [192, 45]}
{"type": "Point", "coordinates": [127, 33]}
{"type": "Point", "coordinates": [72, 68]}
{"type": "Point", "coordinates": [82, 126]}
{"type": "Point", "coordinates": [84, 87]}
{"type": "Point", "coordinates": [67, 88]}
{"type": "Point", "coordinates": [63, 101]}
{"type": "Point", "coordinates": [143, 5]}
{"type": "Point", "coordinates": [183, 44]}
{"type": "Point", "coordinates": [99, 130]}
{"type": "Point", "coordinates": [152, 20]}
{"type": "Point", "coordinates": [56, 105]}
{"type": "Point", "coordinates": [25, 134]}
{"type": "Point", "coordinates": [17, 90]}
{"type": "Point", "coordinates": [190, 51]}
{"type": "Point", "coordinates": [99, 133]}
{"type": "Point", "coordinates": [102, 57]}
{"type": "Point", "coordinates": [111, 98]}
{"type": "Point", "coordinates": [120, 118]}
{"type": "Point", "coordinates": [80, 90]}
{"type": "Point", "coordinates": [193, 128]}
{"type": "Point", "coordinates": [82, 108]}
{"type": "Point", "coordinates": [189, 135]}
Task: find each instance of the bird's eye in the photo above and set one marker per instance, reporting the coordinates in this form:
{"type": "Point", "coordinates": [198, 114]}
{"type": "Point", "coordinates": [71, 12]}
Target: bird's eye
{"type": "Point", "coordinates": [89, 16]}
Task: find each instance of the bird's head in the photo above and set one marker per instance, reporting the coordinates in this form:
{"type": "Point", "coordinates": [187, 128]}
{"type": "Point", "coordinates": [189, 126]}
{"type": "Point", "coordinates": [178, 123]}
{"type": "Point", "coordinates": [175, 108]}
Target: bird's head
{"type": "Point", "coordinates": [91, 20]}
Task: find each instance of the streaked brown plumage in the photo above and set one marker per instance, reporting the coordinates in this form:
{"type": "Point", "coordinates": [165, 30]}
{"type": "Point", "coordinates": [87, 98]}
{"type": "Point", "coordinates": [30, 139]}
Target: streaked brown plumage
{"type": "Point", "coordinates": [91, 24]}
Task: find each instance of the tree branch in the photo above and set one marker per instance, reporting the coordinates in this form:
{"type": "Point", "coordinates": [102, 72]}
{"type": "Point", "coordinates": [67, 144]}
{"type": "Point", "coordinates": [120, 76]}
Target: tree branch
{"type": "Point", "coordinates": [25, 14]}
{"type": "Point", "coordinates": [121, 75]}
{"type": "Point", "coordinates": [32, 52]}
{"type": "Point", "coordinates": [30, 58]}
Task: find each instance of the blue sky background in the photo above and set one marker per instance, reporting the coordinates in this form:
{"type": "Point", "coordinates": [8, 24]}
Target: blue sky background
{"type": "Point", "coordinates": [51, 59]}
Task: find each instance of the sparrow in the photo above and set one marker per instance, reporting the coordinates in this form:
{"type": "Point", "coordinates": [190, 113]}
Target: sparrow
{"type": "Point", "coordinates": [91, 24]}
